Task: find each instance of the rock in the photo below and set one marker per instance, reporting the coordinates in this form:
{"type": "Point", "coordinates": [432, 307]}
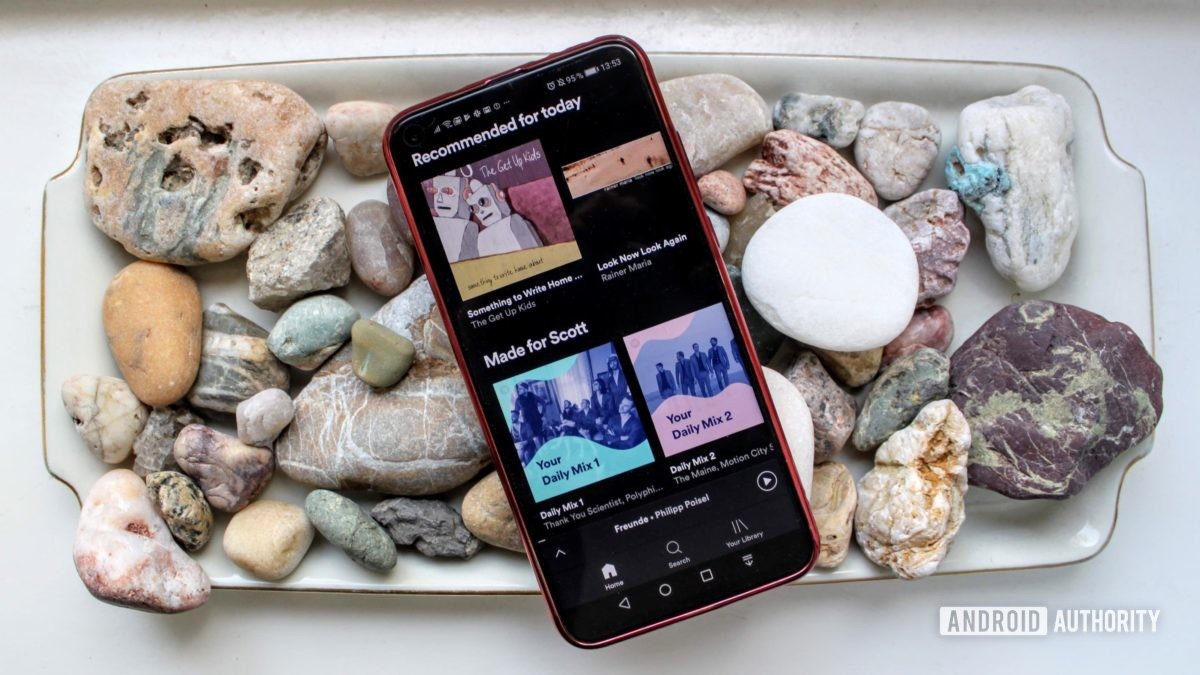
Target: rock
{"type": "Point", "coordinates": [796, 422]}
{"type": "Point", "coordinates": [434, 526]}
{"type": "Point", "coordinates": [311, 330]}
{"type": "Point", "coordinates": [356, 128]}
{"type": "Point", "coordinates": [1053, 394]}
{"type": "Point", "coordinates": [759, 208]}
{"type": "Point", "coordinates": [831, 408]}
{"type": "Point", "coordinates": [720, 228]}
{"type": "Point", "coordinates": [379, 254]}
{"type": "Point", "coordinates": [380, 357]}
{"type": "Point", "coordinates": [853, 369]}
{"type": "Point", "coordinates": [106, 414]}
{"type": "Point", "coordinates": [303, 252]}
{"type": "Point", "coordinates": [832, 500]}
{"type": "Point", "coordinates": [124, 552]}
{"type": "Point", "coordinates": [398, 217]}
{"type": "Point", "coordinates": [346, 526]}
{"type": "Point", "coordinates": [930, 327]}
{"type": "Point", "coordinates": [154, 448]}
{"type": "Point", "coordinates": [181, 504]}
{"type": "Point", "coordinates": [152, 322]}
{"type": "Point", "coordinates": [268, 538]}
{"type": "Point", "coordinates": [488, 515]}
{"type": "Point", "coordinates": [717, 116]}
{"type": "Point", "coordinates": [261, 417]}
{"type": "Point", "coordinates": [766, 339]}
{"type": "Point", "coordinates": [1013, 166]}
{"type": "Point", "coordinates": [190, 171]}
{"type": "Point", "coordinates": [794, 166]}
{"type": "Point", "coordinates": [235, 362]}
{"type": "Point", "coordinates": [896, 147]}
{"type": "Point", "coordinates": [832, 272]}
{"type": "Point", "coordinates": [722, 192]}
{"type": "Point", "coordinates": [230, 473]}
{"type": "Point", "coordinates": [933, 222]}
{"type": "Point", "coordinates": [829, 119]}
{"type": "Point", "coordinates": [899, 393]}
{"type": "Point", "coordinates": [419, 437]}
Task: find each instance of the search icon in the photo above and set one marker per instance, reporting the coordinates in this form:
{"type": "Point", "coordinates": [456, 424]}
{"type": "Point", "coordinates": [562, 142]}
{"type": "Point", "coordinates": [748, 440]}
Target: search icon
{"type": "Point", "coordinates": [673, 548]}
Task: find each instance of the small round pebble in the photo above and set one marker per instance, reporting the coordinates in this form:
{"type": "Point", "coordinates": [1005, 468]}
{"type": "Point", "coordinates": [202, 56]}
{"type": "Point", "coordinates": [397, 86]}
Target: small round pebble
{"type": "Point", "coordinates": [268, 538]}
{"type": "Point", "coordinates": [722, 192]}
{"type": "Point", "coordinates": [355, 128]}
{"type": "Point", "coordinates": [181, 504]}
{"type": "Point", "coordinates": [311, 330]}
{"type": "Point", "coordinates": [831, 119]}
{"type": "Point", "coordinates": [261, 417]}
{"type": "Point", "coordinates": [380, 356]}
{"type": "Point", "coordinates": [833, 410]}
{"type": "Point", "coordinates": [796, 421]}
{"type": "Point", "coordinates": [106, 414]}
{"type": "Point", "coordinates": [348, 527]}
{"type": "Point", "coordinates": [487, 514]}
{"type": "Point", "coordinates": [379, 254]}
{"type": "Point", "coordinates": [896, 147]}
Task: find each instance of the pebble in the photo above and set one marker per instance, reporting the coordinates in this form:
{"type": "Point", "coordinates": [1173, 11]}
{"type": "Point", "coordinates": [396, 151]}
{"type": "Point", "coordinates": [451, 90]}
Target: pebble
{"type": "Point", "coordinates": [268, 538]}
{"type": "Point", "coordinates": [933, 222]}
{"type": "Point", "coordinates": [1013, 166]}
{"type": "Point", "coordinates": [931, 327]}
{"type": "Point", "coordinates": [152, 322]}
{"type": "Point", "coordinates": [832, 272]}
{"type": "Point", "coordinates": [720, 228]}
{"type": "Point", "coordinates": [380, 357]}
{"type": "Point", "coordinates": [106, 414]}
{"type": "Point", "coordinates": [379, 254]}
{"type": "Point", "coordinates": [910, 506]}
{"type": "Point", "coordinates": [796, 421]}
{"type": "Point", "coordinates": [433, 526]}
{"type": "Point", "coordinates": [153, 450]}
{"type": "Point", "coordinates": [356, 128]}
{"type": "Point", "coordinates": [833, 499]}
{"type": "Point", "coordinates": [759, 208]}
{"type": "Point", "coordinates": [181, 504]}
{"type": "Point", "coordinates": [419, 437]}
{"type": "Point", "coordinates": [722, 192]}
{"type": "Point", "coordinates": [793, 166]}
{"type": "Point", "coordinates": [899, 393]}
{"type": "Point", "coordinates": [1053, 394]}
{"type": "Point", "coordinates": [829, 119]}
{"type": "Point", "coordinates": [766, 339]}
{"type": "Point", "coordinates": [230, 473]}
{"type": "Point", "coordinates": [235, 362]}
{"type": "Point", "coordinates": [717, 116]}
{"type": "Point", "coordinates": [896, 147]}
{"type": "Point", "coordinates": [853, 369]}
{"type": "Point", "coordinates": [124, 552]}
{"type": "Point", "coordinates": [488, 515]}
{"type": "Point", "coordinates": [190, 171]}
{"type": "Point", "coordinates": [401, 220]}
{"type": "Point", "coordinates": [311, 330]}
{"type": "Point", "coordinates": [261, 417]}
{"type": "Point", "coordinates": [303, 252]}
{"type": "Point", "coordinates": [833, 411]}
{"type": "Point", "coordinates": [346, 526]}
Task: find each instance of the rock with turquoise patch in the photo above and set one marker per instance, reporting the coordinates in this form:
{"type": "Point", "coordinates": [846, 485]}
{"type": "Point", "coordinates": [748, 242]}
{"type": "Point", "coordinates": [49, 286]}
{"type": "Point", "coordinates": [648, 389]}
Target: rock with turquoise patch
{"type": "Point", "coordinates": [899, 393]}
{"type": "Point", "coordinates": [305, 251]}
{"type": "Point", "coordinates": [831, 119]}
{"type": "Point", "coordinates": [311, 330]}
{"type": "Point", "coordinates": [181, 504]}
{"type": "Point", "coordinates": [348, 527]}
{"type": "Point", "coordinates": [1013, 166]}
{"type": "Point", "coordinates": [191, 171]}
{"type": "Point", "coordinates": [235, 362]}
{"type": "Point", "coordinates": [380, 356]}
{"type": "Point", "coordinates": [1053, 393]}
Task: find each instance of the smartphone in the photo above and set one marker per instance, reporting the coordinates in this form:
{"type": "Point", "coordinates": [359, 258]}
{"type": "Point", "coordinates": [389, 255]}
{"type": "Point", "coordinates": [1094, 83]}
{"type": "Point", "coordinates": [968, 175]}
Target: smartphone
{"type": "Point", "coordinates": [594, 323]}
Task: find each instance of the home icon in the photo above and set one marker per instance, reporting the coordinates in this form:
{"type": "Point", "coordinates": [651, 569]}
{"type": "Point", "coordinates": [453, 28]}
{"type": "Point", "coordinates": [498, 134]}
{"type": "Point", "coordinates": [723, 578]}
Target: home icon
{"type": "Point", "coordinates": [609, 570]}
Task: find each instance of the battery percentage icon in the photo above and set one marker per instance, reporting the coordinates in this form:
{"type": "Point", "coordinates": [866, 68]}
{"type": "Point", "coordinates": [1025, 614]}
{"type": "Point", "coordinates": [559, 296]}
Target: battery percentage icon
{"type": "Point", "coordinates": [588, 72]}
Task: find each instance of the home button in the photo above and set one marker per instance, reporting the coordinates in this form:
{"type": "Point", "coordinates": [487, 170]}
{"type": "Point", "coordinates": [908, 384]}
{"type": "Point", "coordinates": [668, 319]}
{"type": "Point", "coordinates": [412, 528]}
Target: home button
{"type": "Point", "coordinates": [664, 590]}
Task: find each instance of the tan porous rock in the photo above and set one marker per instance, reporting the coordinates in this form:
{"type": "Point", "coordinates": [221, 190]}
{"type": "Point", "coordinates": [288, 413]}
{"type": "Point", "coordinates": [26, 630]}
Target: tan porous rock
{"type": "Point", "coordinates": [833, 498]}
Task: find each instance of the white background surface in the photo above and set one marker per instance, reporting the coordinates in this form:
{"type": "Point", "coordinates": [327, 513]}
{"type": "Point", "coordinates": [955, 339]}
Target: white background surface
{"type": "Point", "coordinates": [1142, 60]}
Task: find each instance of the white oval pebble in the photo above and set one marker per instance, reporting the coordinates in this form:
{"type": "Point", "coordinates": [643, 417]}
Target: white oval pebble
{"type": "Point", "coordinates": [833, 272]}
{"type": "Point", "coordinates": [796, 420]}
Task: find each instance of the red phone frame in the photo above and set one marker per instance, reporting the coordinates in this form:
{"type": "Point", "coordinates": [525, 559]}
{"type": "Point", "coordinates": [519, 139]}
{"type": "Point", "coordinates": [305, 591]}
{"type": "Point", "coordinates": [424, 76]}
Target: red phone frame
{"type": "Point", "coordinates": [714, 250]}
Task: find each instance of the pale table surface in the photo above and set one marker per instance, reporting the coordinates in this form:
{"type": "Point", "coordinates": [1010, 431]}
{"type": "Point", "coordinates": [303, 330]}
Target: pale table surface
{"type": "Point", "coordinates": [1141, 58]}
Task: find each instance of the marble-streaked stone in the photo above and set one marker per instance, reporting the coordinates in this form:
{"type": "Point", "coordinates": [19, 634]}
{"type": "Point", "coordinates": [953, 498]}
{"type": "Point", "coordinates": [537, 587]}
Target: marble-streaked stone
{"type": "Point", "coordinates": [235, 362]}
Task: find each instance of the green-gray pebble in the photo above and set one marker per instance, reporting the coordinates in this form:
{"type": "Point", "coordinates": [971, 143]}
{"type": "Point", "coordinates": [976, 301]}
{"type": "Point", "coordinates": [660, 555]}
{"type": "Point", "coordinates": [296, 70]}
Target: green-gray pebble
{"type": "Point", "coordinates": [311, 330]}
{"type": "Point", "coordinates": [348, 527]}
{"type": "Point", "coordinates": [381, 356]}
{"type": "Point", "coordinates": [899, 393]}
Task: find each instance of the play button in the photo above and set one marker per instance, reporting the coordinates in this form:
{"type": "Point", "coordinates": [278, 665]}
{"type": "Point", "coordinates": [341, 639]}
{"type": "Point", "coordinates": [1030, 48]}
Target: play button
{"type": "Point", "coordinates": [767, 481]}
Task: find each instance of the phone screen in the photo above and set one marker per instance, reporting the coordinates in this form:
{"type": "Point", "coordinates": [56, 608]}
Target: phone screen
{"type": "Point", "coordinates": [602, 346]}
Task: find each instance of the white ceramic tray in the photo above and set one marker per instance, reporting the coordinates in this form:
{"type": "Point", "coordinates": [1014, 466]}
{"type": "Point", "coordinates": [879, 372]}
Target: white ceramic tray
{"type": "Point", "coordinates": [1109, 274]}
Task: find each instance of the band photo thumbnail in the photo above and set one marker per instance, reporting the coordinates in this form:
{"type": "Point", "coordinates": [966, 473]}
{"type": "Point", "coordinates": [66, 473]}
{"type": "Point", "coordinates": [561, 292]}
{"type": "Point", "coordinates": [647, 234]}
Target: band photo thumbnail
{"type": "Point", "coordinates": [610, 167]}
{"type": "Point", "coordinates": [694, 379]}
{"type": "Point", "coordinates": [501, 220]}
{"type": "Point", "coordinates": [573, 422]}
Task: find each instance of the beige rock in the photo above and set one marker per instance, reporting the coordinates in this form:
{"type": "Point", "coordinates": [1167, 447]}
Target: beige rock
{"type": "Point", "coordinates": [717, 116]}
{"type": "Point", "coordinates": [910, 506]}
{"type": "Point", "coordinates": [722, 192]}
{"type": "Point", "coordinates": [152, 319]}
{"type": "Point", "coordinates": [852, 369]}
{"type": "Point", "coordinates": [794, 166]}
{"type": "Point", "coordinates": [356, 128]}
{"type": "Point", "coordinates": [833, 498]}
{"type": "Point", "coordinates": [106, 414]}
{"type": "Point", "coordinates": [190, 171]}
{"type": "Point", "coordinates": [268, 538]}
{"type": "Point", "coordinates": [487, 514]}
{"type": "Point", "coordinates": [796, 421]}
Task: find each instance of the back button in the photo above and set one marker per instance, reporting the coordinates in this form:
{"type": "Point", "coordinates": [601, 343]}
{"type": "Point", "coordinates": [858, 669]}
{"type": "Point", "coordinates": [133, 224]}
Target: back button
{"type": "Point", "coordinates": [624, 603]}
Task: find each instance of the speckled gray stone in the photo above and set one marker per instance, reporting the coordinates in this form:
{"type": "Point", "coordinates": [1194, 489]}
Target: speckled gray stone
{"type": "Point", "coordinates": [182, 505]}
{"type": "Point", "coordinates": [899, 393]}
{"type": "Point", "coordinates": [348, 527]}
{"type": "Point", "coordinates": [434, 526]}
{"type": "Point", "coordinates": [311, 330]}
{"type": "Point", "coordinates": [832, 409]}
{"type": "Point", "coordinates": [235, 362]}
{"type": "Point", "coordinates": [831, 119]}
{"type": "Point", "coordinates": [303, 252]}
{"type": "Point", "coordinates": [153, 449]}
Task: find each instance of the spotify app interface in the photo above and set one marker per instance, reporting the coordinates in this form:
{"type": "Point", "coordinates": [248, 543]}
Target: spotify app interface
{"type": "Point", "coordinates": [599, 339]}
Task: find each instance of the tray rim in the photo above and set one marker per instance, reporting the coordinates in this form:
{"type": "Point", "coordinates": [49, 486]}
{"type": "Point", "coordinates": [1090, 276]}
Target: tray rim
{"type": "Point", "coordinates": [880, 576]}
